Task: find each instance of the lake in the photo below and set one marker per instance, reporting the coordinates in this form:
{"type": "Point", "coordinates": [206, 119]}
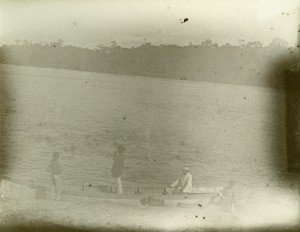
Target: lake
{"type": "Point", "coordinates": [220, 131]}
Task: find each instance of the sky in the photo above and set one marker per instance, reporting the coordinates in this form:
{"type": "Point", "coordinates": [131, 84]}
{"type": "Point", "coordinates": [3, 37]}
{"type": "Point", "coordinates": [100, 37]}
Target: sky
{"type": "Point", "coordinates": [133, 22]}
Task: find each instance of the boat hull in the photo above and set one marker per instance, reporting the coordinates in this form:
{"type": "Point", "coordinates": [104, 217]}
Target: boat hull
{"type": "Point", "coordinates": [16, 189]}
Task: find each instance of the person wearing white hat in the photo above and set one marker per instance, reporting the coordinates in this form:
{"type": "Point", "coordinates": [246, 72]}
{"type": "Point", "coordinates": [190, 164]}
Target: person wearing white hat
{"type": "Point", "coordinates": [183, 184]}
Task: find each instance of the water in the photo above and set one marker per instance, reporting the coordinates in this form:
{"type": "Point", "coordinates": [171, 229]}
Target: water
{"type": "Point", "coordinates": [220, 131]}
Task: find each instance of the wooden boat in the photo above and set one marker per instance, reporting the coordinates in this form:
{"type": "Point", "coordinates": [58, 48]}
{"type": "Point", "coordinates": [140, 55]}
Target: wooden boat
{"type": "Point", "coordinates": [16, 189]}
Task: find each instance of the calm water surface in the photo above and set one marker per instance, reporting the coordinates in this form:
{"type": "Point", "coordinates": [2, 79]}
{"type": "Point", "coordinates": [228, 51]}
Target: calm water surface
{"type": "Point", "coordinates": [220, 131]}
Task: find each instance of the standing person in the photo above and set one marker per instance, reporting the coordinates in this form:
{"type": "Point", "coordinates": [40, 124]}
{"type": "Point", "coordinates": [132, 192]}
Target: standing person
{"type": "Point", "coordinates": [117, 168]}
{"type": "Point", "coordinates": [183, 184]}
{"type": "Point", "coordinates": [55, 170]}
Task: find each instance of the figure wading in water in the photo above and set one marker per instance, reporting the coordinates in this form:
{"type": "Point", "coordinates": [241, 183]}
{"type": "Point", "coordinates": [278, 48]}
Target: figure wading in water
{"type": "Point", "coordinates": [55, 170]}
{"type": "Point", "coordinates": [117, 168]}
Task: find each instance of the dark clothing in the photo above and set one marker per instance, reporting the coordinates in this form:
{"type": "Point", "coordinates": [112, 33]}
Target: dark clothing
{"type": "Point", "coordinates": [152, 202]}
{"type": "Point", "coordinates": [117, 168]}
{"type": "Point", "coordinates": [54, 167]}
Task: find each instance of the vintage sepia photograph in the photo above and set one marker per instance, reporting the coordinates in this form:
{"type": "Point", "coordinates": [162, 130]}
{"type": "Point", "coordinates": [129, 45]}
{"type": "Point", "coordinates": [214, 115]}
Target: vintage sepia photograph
{"type": "Point", "coordinates": [142, 115]}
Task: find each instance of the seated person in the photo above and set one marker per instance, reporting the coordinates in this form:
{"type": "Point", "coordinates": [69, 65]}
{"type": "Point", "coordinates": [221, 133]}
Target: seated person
{"type": "Point", "coordinates": [226, 197]}
{"type": "Point", "coordinates": [182, 185]}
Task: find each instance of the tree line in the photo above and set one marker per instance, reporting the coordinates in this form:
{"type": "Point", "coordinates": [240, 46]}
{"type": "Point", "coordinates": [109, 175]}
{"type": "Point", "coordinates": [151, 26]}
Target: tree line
{"type": "Point", "coordinates": [249, 63]}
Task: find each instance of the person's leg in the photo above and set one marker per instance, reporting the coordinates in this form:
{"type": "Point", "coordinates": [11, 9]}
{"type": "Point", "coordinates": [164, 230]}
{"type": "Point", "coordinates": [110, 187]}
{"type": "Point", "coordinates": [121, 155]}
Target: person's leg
{"type": "Point", "coordinates": [172, 191]}
{"type": "Point", "coordinates": [119, 185]}
{"type": "Point", "coordinates": [52, 191]}
{"type": "Point", "coordinates": [58, 186]}
{"type": "Point", "coordinates": [52, 188]}
{"type": "Point", "coordinates": [232, 206]}
{"type": "Point", "coordinates": [226, 205]}
{"type": "Point", "coordinates": [167, 191]}
{"type": "Point", "coordinates": [214, 198]}
{"type": "Point", "coordinates": [177, 191]}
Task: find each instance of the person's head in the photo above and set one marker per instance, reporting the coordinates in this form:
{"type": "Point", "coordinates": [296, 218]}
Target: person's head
{"type": "Point", "coordinates": [231, 183]}
{"type": "Point", "coordinates": [55, 155]}
{"type": "Point", "coordinates": [121, 149]}
{"type": "Point", "coordinates": [185, 170]}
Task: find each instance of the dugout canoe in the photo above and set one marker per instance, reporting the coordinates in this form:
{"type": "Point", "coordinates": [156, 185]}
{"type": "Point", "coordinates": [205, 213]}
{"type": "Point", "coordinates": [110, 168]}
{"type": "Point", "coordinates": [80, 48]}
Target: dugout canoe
{"type": "Point", "coordinates": [16, 189]}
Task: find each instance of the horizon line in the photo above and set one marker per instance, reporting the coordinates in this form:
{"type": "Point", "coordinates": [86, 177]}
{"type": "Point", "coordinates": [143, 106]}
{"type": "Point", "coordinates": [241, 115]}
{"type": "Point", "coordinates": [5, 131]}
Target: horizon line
{"type": "Point", "coordinates": [114, 43]}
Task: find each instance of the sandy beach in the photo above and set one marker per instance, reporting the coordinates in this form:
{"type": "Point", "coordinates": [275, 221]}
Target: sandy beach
{"type": "Point", "coordinates": [106, 214]}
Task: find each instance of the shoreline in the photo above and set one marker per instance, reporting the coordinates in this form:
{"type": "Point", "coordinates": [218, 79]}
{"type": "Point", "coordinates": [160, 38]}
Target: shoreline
{"type": "Point", "coordinates": [108, 214]}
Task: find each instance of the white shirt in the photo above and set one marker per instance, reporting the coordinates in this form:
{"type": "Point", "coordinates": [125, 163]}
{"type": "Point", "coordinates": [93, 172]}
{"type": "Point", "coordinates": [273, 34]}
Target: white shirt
{"type": "Point", "coordinates": [186, 181]}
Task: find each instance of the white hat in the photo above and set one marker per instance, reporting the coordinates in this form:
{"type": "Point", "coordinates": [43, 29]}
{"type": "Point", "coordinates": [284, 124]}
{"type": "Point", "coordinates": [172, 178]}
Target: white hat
{"type": "Point", "coordinates": [185, 169]}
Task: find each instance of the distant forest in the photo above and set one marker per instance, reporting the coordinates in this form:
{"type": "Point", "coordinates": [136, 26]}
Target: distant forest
{"type": "Point", "coordinates": [249, 63]}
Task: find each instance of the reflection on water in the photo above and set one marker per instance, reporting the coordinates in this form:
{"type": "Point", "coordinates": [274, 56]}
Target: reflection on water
{"type": "Point", "coordinates": [220, 131]}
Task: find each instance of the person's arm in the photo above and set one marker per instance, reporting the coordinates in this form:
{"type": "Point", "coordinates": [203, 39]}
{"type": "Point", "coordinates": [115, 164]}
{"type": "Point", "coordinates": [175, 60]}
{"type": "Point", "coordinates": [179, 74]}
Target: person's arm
{"type": "Point", "coordinates": [49, 168]}
{"type": "Point", "coordinates": [222, 192]}
{"type": "Point", "coordinates": [189, 180]}
{"type": "Point", "coordinates": [175, 184]}
{"type": "Point", "coordinates": [115, 155]}
{"type": "Point", "coordinates": [59, 168]}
